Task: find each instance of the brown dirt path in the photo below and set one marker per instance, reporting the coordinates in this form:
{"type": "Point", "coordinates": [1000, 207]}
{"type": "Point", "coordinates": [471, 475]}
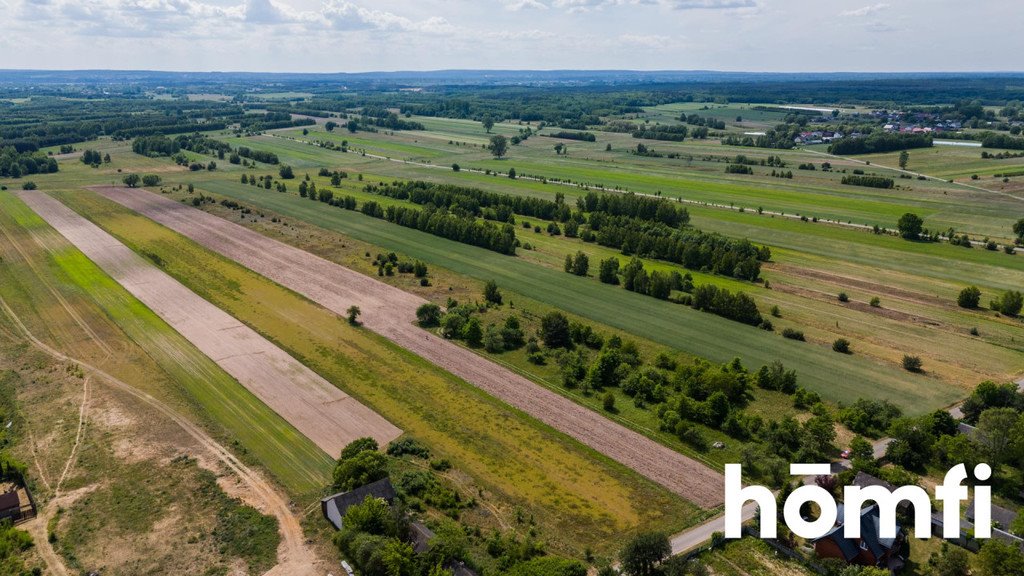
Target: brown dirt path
{"type": "Point", "coordinates": [317, 409]}
{"type": "Point", "coordinates": [391, 312]}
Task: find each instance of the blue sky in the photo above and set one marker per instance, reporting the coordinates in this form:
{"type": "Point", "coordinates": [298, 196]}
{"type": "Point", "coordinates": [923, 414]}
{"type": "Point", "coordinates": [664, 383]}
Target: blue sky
{"type": "Point", "coordinates": [364, 35]}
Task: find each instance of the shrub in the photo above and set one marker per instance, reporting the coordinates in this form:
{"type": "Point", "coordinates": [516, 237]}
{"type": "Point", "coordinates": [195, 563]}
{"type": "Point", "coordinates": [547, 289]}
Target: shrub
{"type": "Point", "coordinates": [793, 334]}
{"type": "Point", "coordinates": [1010, 303]}
{"type": "Point", "coordinates": [30, 185]}
{"type": "Point", "coordinates": [841, 345]}
{"type": "Point", "coordinates": [876, 302]}
{"type": "Point", "coordinates": [429, 314]}
{"type": "Point", "coordinates": [912, 363]}
{"type": "Point", "coordinates": [409, 446]}
{"type": "Point", "coordinates": [969, 297]}
{"type": "Point", "coordinates": [843, 297]}
{"type": "Point", "coordinates": [491, 293]}
{"type": "Point", "coordinates": [609, 402]}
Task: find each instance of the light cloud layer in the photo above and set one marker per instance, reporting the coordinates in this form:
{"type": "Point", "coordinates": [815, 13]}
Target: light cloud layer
{"type": "Point", "coordinates": [360, 35]}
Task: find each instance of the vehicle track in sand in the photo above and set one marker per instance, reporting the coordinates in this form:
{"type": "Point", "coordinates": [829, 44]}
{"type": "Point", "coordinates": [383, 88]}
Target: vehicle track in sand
{"type": "Point", "coordinates": [294, 558]}
{"type": "Point", "coordinates": [390, 312]}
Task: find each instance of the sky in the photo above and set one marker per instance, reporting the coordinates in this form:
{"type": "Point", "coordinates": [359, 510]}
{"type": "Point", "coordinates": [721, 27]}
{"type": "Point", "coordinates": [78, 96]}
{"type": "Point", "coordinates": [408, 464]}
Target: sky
{"type": "Point", "coordinates": [384, 35]}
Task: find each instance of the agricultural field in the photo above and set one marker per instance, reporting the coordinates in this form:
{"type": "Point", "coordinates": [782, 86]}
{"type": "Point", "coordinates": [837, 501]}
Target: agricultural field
{"type": "Point", "coordinates": [546, 408]}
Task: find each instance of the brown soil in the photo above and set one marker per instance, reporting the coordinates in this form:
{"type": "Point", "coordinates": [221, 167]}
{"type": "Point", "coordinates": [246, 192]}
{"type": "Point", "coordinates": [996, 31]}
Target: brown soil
{"type": "Point", "coordinates": [858, 306]}
{"type": "Point", "coordinates": [391, 312]}
{"type": "Point", "coordinates": [848, 282]}
{"type": "Point", "coordinates": [316, 408]}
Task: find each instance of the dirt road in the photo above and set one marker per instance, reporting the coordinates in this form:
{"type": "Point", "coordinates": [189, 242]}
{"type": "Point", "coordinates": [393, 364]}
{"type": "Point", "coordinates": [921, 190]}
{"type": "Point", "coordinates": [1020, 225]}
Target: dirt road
{"type": "Point", "coordinates": [317, 409]}
{"type": "Point", "coordinates": [391, 313]}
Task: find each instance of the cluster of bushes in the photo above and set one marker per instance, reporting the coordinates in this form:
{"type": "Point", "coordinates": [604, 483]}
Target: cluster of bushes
{"type": "Point", "coordinates": [879, 142]}
{"type": "Point", "coordinates": [781, 137]}
{"type": "Point", "coordinates": [869, 417]}
{"type": "Point", "coordinates": [634, 206]}
{"type": "Point", "coordinates": [94, 158]}
{"type": "Point", "coordinates": [659, 132]}
{"type": "Point", "coordinates": [738, 169]}
{"type": "Point", "coordinates": [14, 164]}
{"type": "Point", "coordinates": [257, 155]}
{"type": "Point", "coordinates": [739, 306]}
{"type": "Point", "coordinates": [696, 120]}
{"type": "Point", "coordinates": [1001, 155]}
{"type": "Point", "coordinates": [155, 146]}
{"type": "Point", "coordinates": [388, 264]}
{"type": "Point", "coordinates": [267, 182]}
{"type": "Point", "coordinates": [869, 181]}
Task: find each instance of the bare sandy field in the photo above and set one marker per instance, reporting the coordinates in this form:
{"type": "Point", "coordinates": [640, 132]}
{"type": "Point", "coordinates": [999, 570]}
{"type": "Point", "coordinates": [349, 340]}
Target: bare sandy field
{"type": "Point", "coordinates": [317, 409]}
{"type": "Point", "coordinates": [391, 312]}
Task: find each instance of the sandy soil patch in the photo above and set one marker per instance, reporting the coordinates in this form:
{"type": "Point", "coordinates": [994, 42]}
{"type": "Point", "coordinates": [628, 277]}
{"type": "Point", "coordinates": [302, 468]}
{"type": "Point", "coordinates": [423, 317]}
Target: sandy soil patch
{"type": "Point", "coordinates": [329, 417]}
{"type": "Point", "coordinates": [390, 312]}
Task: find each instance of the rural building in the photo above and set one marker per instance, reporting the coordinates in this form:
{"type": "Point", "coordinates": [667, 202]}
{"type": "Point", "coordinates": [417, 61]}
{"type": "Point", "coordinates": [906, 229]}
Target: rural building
{"type": "Point", "coordinates": [868, 550]}
{"type": "Point", "coordinates": [16, 504]}
{"type": "Point", "coordinates": [863, 480]}
{"type": "Point", "coordinates": [420, 536]}
{"type": "Point", "coordinates": [334, 507]}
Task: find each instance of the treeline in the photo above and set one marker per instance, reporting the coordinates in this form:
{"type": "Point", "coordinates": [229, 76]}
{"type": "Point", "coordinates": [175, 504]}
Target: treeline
{"type": "Point", "coordinates": [472, 201]}
{"type": "Point", "coordinates": [440, 222]}
{"type": "Point", "coordinates": [567, 135]}
{"type": "Point", "coordinates": [257, 155]}
{"type": "Point", "coordinates": [658, 132]}
{"type": "Point", "coordinates": [880, 142]}
{"type": "Point", "coordinates": [1002, 141]}
{"type": "Point", "coordinates": [696, 120]}
{"type": "Point", "coordinates": [635, 206]}
{"type": "Point", "coordinates": [270, 121]}
{"type": "Point", "coordinates": [869, 181]}
{"type": "Point", "coordinates": [781, 138]}
{"type": "Point", "coordinates": [14, 164]}
{"type": "Point", "coordinates": [694, 249]}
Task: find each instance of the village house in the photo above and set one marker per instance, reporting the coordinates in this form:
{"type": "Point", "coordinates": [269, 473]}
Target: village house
{"type": "Point", "coordinates": [868, 550]}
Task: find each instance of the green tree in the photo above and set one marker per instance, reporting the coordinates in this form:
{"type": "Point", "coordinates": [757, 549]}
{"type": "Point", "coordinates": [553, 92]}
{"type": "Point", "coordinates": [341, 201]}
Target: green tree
{"type": "Point", "coordinates": [498, 145]}
{"type": "Point", "coordinates": [904, 158]}
{"type": "Point", "coordinates": [286, 172]}
{"type": "Point", "coordinates": [643, 553]}
{"type": "Point", "coordinates": [861, 449]}
{"type": "Point", "coordinates": [372, 516]}
{"type": "Point", "coordinates": [488, 123]}
{"type": "Point", "coordinates": [969, 297]}
{"type": "Point", "coordinates": [992, 433]}
{"type": "Point", "coordinates": [997, 558]}
{"type": "Point", "coordinates": [910, 226]}
{"type": "Point", "coordinates": [608, 401]}
{"type": "Point", "coordinates": [609, 271]}
{"type": "Point", "coordinates": [359, 470]}
{"type": "Point", "coordinates": [492, 294]}
{"type": "Point", "coordinates": [353, 313]}
{"type": "Point", "coordinates": [841, 345]}
{"type": "Point", "coordinates": [428, 315]}
{"type": "Point", "coordinates": [1018, 229]}
{"type": "Point", "coordinates": [473, 333]}
{"type": "Point", "coordinates": [131, 180]}
{"type": "Point", "coordinates": [554, 330]}
{"type": "Point", "coordinates": [1009, 303]}
{"type": "Point", "coordinates": [358, 445]}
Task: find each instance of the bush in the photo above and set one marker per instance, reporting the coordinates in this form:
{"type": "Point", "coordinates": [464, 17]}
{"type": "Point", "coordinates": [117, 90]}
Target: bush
{"type": "Point", "coordinates": [491, 293]}
{"type": "Point", "coordinates": [841, 345]}
{"type": "Point", "coordinates": [911, 363]}
{"type": "Point", "coordinates": [843, 297]}
{"type": "Point", "coordinates": [150, 180]}
{"type": "Point", "coordinates": [969, 297]}
{"type": "Point", "coordinates": [30, 185]}
{"type": "Point", "coordinates": [608, 402]}
{"type": "Point", "coordinates": [429, 314]}
{"type": "Point", "coordinates": [793, 334]}
{"type": "Point", "coordinates": [1009, 304]}
{"type": "Point", "coordinates": [876, 302]}
{"type": "Point", "coordinates": [408, 446]}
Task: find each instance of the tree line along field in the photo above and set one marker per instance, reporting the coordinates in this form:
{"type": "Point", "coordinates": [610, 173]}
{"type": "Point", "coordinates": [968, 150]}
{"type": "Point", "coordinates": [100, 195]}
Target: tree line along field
{"type": "Point", "coordinates": [594, 496]}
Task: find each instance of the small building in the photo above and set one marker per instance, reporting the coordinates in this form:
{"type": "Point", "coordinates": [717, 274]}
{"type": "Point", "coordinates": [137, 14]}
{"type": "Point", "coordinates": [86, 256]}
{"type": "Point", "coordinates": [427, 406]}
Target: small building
{"type": "Point", "coordinates": [863, 480]}
{"type": "Point", "coordinates": [420, 536]}
{"type": "Point", "coordinates": [334, 507]}
{"type": "Point", "coordinates": [16, 504]}
{"type": "Point", "coordinates": [868, 550]}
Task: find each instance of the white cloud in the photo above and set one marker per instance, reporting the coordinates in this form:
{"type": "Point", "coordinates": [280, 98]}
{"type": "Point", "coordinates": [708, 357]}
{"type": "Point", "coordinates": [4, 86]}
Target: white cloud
{"type": "Point", "coordinates": [709, 4]}
{"type": "Point", "coordinates": [344, 15]}
{"type": "Point", "coordinates": [517, 5]}
{"type": "Point", "coordinates": [864, 11]}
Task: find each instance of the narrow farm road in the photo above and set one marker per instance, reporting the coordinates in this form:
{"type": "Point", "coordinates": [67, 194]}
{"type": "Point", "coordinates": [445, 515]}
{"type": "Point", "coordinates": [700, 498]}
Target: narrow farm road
{"type": "Point", "coordinates": [391, 313]}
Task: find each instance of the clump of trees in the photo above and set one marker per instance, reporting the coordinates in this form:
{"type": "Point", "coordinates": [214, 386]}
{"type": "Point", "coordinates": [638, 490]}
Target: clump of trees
{"type": "Point", "coordinates": [879, 142]}
{"type": "Point", "coordinates": [14, 164]}
{"type": "Point", "coordinates": [869, 181]}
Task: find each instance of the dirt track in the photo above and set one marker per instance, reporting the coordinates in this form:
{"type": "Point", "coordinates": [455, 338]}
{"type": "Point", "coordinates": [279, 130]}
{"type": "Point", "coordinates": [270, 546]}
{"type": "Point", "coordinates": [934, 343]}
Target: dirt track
{"type": "Point", "coordinates": [391, 313]}
{"type": "Point", "coordinates": [326, 415]}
